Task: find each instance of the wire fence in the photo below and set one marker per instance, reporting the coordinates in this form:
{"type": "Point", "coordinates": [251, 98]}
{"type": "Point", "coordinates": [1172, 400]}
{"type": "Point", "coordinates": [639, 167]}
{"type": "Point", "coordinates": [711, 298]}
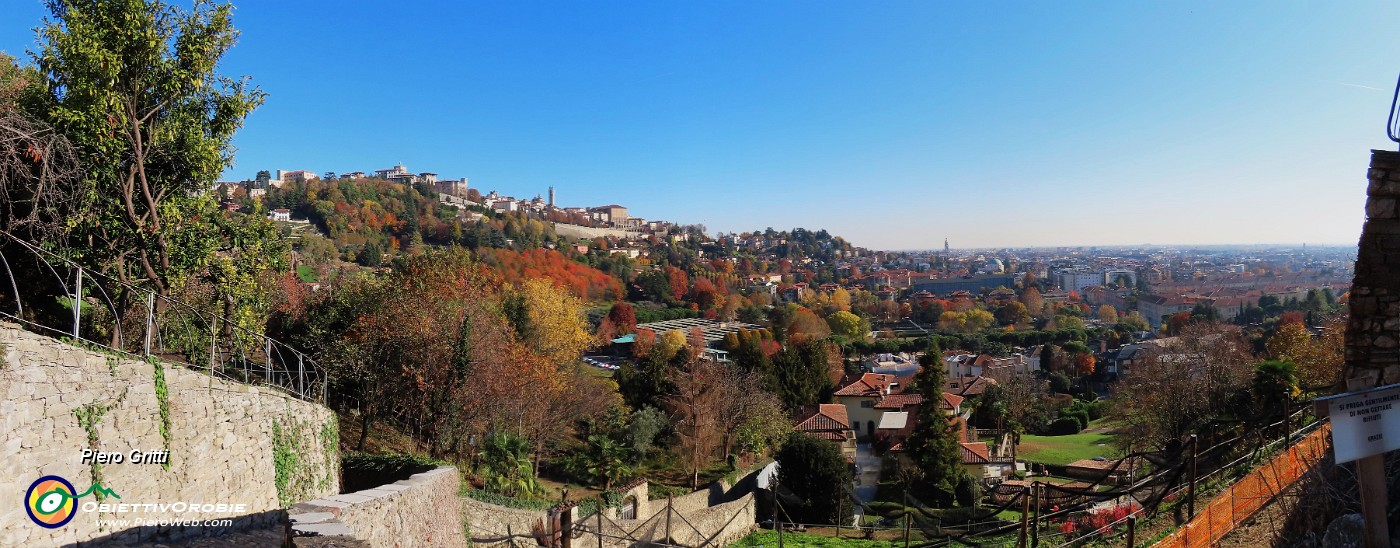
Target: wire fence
{"type": "Point", "coordinates": [54, 296]}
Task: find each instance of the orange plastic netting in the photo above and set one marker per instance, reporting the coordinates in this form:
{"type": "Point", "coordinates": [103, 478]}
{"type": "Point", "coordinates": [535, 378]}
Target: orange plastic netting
{"type": "Point", "coordinates": [1250, 493]}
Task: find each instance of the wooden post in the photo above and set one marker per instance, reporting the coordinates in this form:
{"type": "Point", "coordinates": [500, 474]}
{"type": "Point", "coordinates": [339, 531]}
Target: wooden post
{"type": "Point", "coordinates": [1025, 511]}
{"type": "Point", "coordinates": [668, 520]}
{"type": "Point", "coordinates": [1132, 530]}
{"type": "Point", "coordinates": [1191, 489]}
{"type": "Point", "coordinates": [1035, 526]}
{"type": "Point", "coordinates": [906, 527]}
{"type": "Point", "coordinates": [566, 528]}
{"type": "Point", "coordinates": [777, 524]}
{"type": "Point", "coordinates": [599, 513]}
{"type": "Point", "coordinates": [1370, 473]}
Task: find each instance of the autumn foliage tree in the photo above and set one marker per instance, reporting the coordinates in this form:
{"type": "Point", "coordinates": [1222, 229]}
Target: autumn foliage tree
{"type": "Point", "coordinates": [1319, 360]}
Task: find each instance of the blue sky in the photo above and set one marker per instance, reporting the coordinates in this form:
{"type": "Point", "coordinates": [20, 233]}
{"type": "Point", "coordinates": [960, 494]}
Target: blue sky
{"type": "Point", "coordinates": [894, 124]}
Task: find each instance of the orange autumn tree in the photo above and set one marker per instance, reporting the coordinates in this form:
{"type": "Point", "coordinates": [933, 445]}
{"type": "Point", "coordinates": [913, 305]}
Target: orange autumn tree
{"type": "Point", "coordinates": [585, 282]}
{"type": "Point", "coordinates": [430, 348]}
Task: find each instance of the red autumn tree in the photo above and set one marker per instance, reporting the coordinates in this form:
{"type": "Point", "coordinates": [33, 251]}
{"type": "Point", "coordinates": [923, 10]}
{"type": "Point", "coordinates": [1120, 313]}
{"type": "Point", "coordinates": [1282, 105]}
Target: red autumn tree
{"type": "Point", "coordinates": [623, 318]}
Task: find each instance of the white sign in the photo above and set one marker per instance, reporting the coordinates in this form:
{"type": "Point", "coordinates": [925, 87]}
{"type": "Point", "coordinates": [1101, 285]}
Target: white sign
{"type": "Point", "coordinates": [1365, 423]}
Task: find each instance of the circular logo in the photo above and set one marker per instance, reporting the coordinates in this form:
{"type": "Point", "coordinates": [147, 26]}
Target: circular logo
{"type": "Point", "coordinates": [49, 502]}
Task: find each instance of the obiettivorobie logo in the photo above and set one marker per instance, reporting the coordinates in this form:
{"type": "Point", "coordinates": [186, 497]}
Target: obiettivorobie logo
{"type": "Point", "coordinates": [52, 502]}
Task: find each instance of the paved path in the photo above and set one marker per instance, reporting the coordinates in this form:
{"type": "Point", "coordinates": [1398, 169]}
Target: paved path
{"type": "Point", "coordinates": [867, 483]}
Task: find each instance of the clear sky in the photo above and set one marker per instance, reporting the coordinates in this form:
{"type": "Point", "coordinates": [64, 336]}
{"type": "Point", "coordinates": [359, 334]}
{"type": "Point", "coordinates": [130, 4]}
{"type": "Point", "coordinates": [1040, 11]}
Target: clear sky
{"type": "Point", "coordinates": [893, 123]}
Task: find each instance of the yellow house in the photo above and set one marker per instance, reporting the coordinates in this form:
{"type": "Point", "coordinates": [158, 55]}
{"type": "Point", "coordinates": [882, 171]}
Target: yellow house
{"type": "Point", "coordinates": [860, 398]}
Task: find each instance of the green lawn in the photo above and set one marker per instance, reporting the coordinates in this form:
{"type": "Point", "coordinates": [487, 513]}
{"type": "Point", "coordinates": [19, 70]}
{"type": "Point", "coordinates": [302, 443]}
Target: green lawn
{"type": "Point", "coordinates": [770, 539]}
{"type": "Point", "coordinates": [1061, 450]}
{"type": "Point", "coordinates": [306, 273]}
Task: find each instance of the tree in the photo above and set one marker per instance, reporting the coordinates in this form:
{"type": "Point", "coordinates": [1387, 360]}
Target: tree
{"type": "Point", "coordinates": [1202, 374]}
{"type": "Point", "coordinates": [1274, 386]}
{"type": "Point", "coordinates": [505, 467]}
{"type": "Point", "coordinates": [1030, 297]}
{"type": "Point", "coordinates": [1319, 359]}
{"type": "Point", "coordinates": [970, 321]}
{"type": "Point", "coordinates": [39, 169]}
{"type": "Point", "coordinates": [816, 474]}
{"type": "Point", "coordinates": [841, 299]}
{"type": "Point", "coordinates": [670, 344]}
{"type": "Point", "coordinates": [800, 373]}
{"type": "Point", "coordinates": [696, 406]}
{"type": "Point", "coordinates": [1134, 321]}
{"type": "Point", "coordinates": [806, 326]}
{"type": "Point", "coordinates": [848, 325]}
{"type": "Point", "coordinates": [132, 84]}
{"type": "Point", "coordinates": [1013, 313]}
{"type": "Point", "coordinates": [1107, 314]}
{"type": "Point", "coordinates": [647, 423]}
{"type": "Point", "coordinates": [549, 320]}
{"type": "Point", "coordinates": [933, 441]}
{"type": "Point", "coordinates": [1068, 322]}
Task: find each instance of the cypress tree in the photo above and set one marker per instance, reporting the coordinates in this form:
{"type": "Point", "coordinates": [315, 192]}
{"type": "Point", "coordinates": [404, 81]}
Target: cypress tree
{"type": "Point", "coordinates": [933, 443]}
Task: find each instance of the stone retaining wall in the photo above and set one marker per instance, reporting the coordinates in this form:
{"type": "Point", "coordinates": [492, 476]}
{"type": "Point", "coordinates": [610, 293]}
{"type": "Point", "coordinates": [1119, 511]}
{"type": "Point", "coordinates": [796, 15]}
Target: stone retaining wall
{"type": "Point", "coordinates": [1373, 327]}
{"type": "Point", "coordinates": [423, 510]}
{"type": "Point", "coordinates": [221, 444]}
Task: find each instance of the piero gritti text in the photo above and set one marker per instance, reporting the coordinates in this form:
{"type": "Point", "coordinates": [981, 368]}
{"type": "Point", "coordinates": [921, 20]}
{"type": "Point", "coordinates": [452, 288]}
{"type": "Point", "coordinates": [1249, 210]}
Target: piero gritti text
{"type": "Point", "coordinates": [135, 456]}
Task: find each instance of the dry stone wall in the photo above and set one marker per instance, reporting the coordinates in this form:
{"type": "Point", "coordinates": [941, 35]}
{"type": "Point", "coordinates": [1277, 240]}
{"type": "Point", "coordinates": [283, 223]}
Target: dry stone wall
{"type": "Point", "coordinates": [1373, 327]}
{"type": "Point", "coordinates": [423, 510]}
{"type": "Point", "coordinates": [226, 443]}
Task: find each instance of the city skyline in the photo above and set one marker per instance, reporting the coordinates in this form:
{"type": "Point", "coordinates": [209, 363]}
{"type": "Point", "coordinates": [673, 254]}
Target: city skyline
{"type": "Point", "coordinates": [893, 127]}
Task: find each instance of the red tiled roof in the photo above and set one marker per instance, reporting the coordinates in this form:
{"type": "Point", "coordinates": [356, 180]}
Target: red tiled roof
{"type": "Point", "coordinates": [900, 401]}
{"type": "Point", "coordinates": [969, 386]}
{"type": "Point", "coordinates": [827, 421]}
{"type": "Point", "coordinates": [951, 401]}
{"type": "Point", "coordinates": [975, 453]}
{"type": "Point", "coordinates": [869, 384]}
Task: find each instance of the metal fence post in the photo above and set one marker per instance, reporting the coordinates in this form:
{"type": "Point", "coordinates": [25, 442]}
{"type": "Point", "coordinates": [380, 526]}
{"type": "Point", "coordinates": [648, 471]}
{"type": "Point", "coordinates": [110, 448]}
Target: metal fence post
{"type": "Point", "coordinates": [78, 304]}
{"type": "Point", "coordinates": [150, 321]}
{"type": "Point", "coordinates": [213, 342]}
{"type": "Point", "coordinates": [301, 375]}
{"type": "Point", "coordinates": [267, 354]}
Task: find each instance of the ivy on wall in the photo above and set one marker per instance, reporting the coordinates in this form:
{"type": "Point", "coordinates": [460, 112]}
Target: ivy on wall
{"type": "Point", "coordinates": [163, 400]}
{"type": "Point", "coordinates": [89, 417]}
{"type": "Point", "coordinates": [296, 472]}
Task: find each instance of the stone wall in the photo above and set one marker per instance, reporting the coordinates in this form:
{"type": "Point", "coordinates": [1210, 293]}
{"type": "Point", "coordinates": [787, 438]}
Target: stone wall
{"type": "Point", "coordinates": [488, 520]}
{"type": "Point", "coordinates": [228, 443]}
{"type": "Point", "coordinates": [1373, 328]}
{"type": "Point", "coordinates": [423, 510]}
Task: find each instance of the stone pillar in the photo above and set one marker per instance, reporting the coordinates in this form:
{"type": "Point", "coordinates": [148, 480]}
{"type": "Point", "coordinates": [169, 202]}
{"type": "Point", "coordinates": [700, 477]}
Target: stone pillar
{"type": "Point", "coordinates": [1373, 329]}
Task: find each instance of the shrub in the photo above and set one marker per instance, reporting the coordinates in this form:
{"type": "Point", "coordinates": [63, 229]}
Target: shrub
{"type": "Point", "coordinates": [1075, 413]}
{"type": "Point", "coordinates": [1064, 426]}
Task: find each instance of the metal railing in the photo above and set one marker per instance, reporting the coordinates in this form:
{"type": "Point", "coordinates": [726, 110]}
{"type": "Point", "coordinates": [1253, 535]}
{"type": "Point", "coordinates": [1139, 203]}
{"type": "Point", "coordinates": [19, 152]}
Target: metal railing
{"type": "Point", "coordinates": [52, 295]}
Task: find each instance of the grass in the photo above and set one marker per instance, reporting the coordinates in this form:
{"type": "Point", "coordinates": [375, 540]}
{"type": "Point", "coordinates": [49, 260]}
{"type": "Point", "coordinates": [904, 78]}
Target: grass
{"type": "Point", "coordinates": [306, 273]}
{"type": "Point", "coordinates": [770, 538]}
{"type": "Point", "coordinates": [1062, 450]}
